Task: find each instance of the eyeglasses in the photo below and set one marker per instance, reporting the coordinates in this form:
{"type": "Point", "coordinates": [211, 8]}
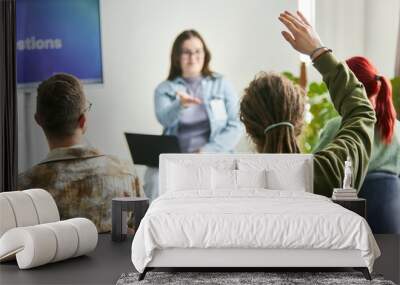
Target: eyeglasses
{"type": "Point", "coordinates": [87, 109]}
{"type": "Point", "coordinates": [188, 53]}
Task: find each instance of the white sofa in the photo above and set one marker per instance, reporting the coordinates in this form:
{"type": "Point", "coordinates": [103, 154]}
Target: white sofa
{"type": "Point", "coordinates": [31, 230]}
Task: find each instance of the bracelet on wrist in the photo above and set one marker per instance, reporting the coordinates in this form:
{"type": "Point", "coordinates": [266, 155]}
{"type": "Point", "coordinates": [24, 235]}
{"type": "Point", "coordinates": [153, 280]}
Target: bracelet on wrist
{"type": "Point", "coordinates": [320, 54]}
{"type": "Point", "coordinates": [316, 50]}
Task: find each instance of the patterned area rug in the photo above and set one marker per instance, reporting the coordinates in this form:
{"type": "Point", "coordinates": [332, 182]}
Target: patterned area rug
{"type": "Point", "coordinates": [230, 278]}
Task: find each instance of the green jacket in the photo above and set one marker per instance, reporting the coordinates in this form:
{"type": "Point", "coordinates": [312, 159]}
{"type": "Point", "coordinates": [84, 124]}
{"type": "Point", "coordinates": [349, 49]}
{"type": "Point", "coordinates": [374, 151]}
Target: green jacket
{"type": "Point", "coordinates": [356, 133]}
{"type": "Point", "coordinates": [384, 157]}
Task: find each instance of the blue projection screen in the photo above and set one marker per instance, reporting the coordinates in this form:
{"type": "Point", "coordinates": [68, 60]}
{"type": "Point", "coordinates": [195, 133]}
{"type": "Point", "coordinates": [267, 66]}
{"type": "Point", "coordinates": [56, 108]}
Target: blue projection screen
{"type": "Point", "coordinates": [58, 36]}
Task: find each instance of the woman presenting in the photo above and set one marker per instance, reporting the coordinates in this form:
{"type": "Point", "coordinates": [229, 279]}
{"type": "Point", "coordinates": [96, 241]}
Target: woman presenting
{"type": "Point", "coordinates": [195, 104]}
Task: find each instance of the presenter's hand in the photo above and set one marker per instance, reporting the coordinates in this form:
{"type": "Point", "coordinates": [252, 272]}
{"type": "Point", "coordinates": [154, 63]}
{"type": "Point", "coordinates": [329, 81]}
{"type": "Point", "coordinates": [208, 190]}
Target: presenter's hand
{"type": "Point", "coordinates": [187, 100]}
{"type": "Point", "coordinates": [302, 35]}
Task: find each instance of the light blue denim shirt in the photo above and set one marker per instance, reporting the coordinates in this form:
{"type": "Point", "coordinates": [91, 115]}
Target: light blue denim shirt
{"type": "Point", "coordinates": [221, 104]}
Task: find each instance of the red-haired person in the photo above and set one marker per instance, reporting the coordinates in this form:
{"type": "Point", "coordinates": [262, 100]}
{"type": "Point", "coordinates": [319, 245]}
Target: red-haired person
{"type": "Point", "coordinates": [386, 147]}
{"type": "Point", "coordinates": [384, 165]}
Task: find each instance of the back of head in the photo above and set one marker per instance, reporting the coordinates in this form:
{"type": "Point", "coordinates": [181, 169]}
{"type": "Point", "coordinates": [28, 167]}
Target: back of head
{"type": "Point", "coordinates": [60, 103]}
{"type": "Point", "coordinates": [379, 86]}
{"type": "Point", "coordinates": [272, 99]}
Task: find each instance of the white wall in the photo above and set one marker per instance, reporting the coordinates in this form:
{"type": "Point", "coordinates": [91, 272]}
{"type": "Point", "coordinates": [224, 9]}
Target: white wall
{"type": "Point", "coordinates": [361, 27]}
{"type": "Point", "coordinates": [243, 36]}
{"type": "Point", "coordinates": [340, 24]}
{"type": "Point", "coordinates": [381, 26]}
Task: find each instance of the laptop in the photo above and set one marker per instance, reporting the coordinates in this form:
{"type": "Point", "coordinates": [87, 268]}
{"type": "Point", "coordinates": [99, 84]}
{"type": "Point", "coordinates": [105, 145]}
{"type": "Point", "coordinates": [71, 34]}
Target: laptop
{"type": "Point", "coordinates": [146, 149]}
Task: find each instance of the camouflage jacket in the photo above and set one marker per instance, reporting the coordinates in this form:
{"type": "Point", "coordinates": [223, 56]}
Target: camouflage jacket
{"type": "Point", "coordinates": [83, 182]}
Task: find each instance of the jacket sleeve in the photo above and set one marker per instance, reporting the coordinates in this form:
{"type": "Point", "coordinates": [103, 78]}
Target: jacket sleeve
{"type": "Point", "coordinates": [227, 139]}
{"type": "Point", "coordinates": [327, 134]}
{"type": "Point", "coordinates": [355, 135]}
{"type": "Point", "coordinates": [167, 105]}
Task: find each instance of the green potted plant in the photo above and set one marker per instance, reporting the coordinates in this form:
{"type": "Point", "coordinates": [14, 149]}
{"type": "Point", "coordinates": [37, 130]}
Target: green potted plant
{"type": "Point", "coordinates": [319, 110]}
{"type": "Point", "coordinates": [396, 95]}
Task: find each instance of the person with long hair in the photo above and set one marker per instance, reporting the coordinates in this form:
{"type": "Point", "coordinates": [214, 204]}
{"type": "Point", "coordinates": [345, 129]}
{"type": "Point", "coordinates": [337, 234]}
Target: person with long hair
{"type": "Point", "coordinates": [380, 189]}
{"type": "Point", "coordinates": [194, 103]}
{"type": "Point", "coordinates": [386, 147]}
{"type": "Point", "coordinates": [272, 110]}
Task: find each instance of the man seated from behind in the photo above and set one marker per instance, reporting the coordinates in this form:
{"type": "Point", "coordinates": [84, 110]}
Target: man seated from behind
{"type": "Point", "coordinates": [81, 179]}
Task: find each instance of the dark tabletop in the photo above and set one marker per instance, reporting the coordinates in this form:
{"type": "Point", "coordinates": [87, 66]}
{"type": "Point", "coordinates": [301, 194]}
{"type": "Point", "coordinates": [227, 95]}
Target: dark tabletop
{"type": "Point", "coordinates": [104, 265]}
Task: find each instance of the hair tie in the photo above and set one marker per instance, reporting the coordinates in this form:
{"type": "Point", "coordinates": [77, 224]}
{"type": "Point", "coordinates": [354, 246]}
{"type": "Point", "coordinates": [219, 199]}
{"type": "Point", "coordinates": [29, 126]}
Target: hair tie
{"type": "Point", "coordinates": [277, 125]}
{"type": "Point", "coordinates": [378, 77]}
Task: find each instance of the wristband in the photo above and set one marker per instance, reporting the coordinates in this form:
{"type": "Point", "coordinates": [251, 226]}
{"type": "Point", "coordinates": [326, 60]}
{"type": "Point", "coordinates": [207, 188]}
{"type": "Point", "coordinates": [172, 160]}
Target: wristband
{"type": "Point", "coordinates": [314, 51]}
{"type": "Point", "coordinates": [324, 52]}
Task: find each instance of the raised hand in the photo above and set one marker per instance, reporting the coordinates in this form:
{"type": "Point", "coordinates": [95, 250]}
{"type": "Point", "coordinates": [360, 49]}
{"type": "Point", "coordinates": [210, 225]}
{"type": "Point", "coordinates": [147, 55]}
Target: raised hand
{"type": "Point", "coordinates": [187, 100]}
{"type": "Point", "coordinates": [301, 35]}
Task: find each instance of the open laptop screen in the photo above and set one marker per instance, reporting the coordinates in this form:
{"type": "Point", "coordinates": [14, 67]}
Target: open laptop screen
{"type": "Point", "coordinates": [146, 149]}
